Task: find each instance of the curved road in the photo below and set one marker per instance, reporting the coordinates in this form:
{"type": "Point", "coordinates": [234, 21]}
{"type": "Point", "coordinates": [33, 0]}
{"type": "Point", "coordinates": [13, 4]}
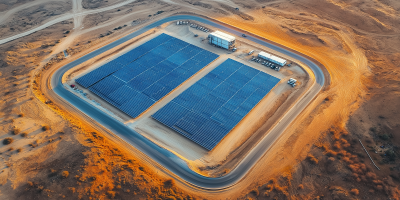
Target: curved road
{"type": "Point", "coordinates": [165, 158]}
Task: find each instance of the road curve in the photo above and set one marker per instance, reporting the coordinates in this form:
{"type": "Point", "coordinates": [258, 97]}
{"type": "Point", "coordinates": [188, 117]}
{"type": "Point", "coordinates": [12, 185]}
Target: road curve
{"type": "Point", "coordinates": [165, 158]}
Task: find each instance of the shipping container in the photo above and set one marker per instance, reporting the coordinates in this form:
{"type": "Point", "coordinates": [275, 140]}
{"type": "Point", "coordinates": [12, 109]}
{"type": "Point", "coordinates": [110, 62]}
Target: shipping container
{"type": "Point", "coordinates": [272, 58]}
{"type": "Point", "coordinates": [222, 40]}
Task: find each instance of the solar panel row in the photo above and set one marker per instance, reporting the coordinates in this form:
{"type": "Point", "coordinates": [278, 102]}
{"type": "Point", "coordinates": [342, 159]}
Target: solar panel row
{"type": "Point", "coordinates": [166, 62]}
{"type": "Point", "coordinates": [213, 106]}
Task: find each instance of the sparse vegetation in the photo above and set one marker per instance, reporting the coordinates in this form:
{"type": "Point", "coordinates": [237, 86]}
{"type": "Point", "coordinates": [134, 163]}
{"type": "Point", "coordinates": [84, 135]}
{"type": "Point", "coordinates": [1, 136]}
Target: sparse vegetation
{"type": "Point", "coordinates": [169, 183]}
{"type": "Point", "coordinates": [15, 131]}
{"type": "Point", "coordinates": [65, 174]}
{"type": "Point", "coordinates": [255, 192]}
{"type": "Point", "coordinates": [312, 159]}
{"type": "Point", "coordinates": [355, 191]}
{"type": "Point", "coordinates": [111, 194]}
{"type": "Point", "coordinates": [45, 127]}
{"type": "Point", "coordinates": [7, 141]}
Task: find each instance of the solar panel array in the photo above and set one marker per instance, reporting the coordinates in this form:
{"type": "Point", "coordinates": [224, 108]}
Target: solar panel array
{"type": "Point", "coordinates": [213, 106]}
{"type": "Point", "coordinates": [136, 80]}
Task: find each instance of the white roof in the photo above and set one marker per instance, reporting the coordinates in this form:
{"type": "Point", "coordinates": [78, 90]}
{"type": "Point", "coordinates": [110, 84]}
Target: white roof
{"type": "Point", "coordinates": [272, 57]}
{"type": "Point", "coordinates": [224, 36]}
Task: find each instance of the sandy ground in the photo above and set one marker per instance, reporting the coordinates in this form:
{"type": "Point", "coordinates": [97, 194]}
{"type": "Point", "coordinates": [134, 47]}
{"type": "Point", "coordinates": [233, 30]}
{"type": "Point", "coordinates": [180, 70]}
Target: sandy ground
{"type": "Point", "coordinates": [356, 40]}
{"type": "Point", "coordinates": [27, 16]}
{"type": "Point", "coordinates": [199, 158]}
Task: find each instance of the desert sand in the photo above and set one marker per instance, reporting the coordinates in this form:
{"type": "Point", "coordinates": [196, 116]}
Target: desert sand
{"type": "Point", "coordinates": [318, 157]}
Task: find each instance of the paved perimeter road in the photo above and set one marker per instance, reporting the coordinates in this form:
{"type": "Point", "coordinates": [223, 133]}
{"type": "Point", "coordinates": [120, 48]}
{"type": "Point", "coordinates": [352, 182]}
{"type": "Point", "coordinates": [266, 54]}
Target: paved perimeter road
{"type": "Point", "coordinates": [166, 158]}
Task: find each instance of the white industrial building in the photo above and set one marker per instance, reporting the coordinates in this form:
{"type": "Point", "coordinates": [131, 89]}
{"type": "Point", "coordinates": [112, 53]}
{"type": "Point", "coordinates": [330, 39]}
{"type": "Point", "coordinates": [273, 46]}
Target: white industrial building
{"type": "Point", "coordinates": [272, 58]}
{"type": "Point", "coordinates": [221, 39]}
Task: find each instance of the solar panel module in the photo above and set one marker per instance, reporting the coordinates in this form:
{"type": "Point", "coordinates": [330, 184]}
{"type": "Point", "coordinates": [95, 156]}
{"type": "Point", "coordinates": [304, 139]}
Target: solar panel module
{"type": "Point", "coordinates": [208, 110]}
{"type": "Point", "coordinates": [136, 80]}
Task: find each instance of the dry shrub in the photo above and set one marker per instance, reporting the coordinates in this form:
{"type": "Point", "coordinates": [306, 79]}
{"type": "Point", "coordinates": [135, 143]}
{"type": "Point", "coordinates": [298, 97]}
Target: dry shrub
{"type": "Point", "coordinates": [72, 189]}
{"type": "Point", "coordinates": [355, 191]}
{"type": "Point", "coordinates": [170, 198]}
{"type": "Point", "coordinates": [371, 191]}
{"type": "Point", "coordinates": [45, 127]}
{"type": "Point", "coordinates": [331, 153]}
{"type": "Point", "coordinates": [111, 194]}
{"type": "Point", "coordinates": [255, 192]}
{"type": "Point", "coordinates": [169, 183]}
{"type": "Point", "coordinates": [272, 181]}
{"type": "Point", "coordinates": [21, 115]}
{"type": "Point", "coordinates": [24, 134]}
{"type": "Point", "coordinates": [7, 141]}
{"type": "Point", "coordinates": [29, 183]}
{"type": "Point", "coordinates": [379, 187]}
{"type": "Point", "coordinates": [15, 131]}
{"type": "Point", "coordinates": [371, 175]}
{"type": "Point", "coordinates": [19, 150]}
{"type": "Point", "coordinates": [65, 174]}
{"type": "Point", "coordinates": [312, 159]}
{"type": "Point", "coordinates": [300, 187]}
{"type": "Point", "coordinates": [345, 143]}
{"type": "Point", "coordinates": [269, 187]}
{"type": "Point", "coordinates": [336, 145]}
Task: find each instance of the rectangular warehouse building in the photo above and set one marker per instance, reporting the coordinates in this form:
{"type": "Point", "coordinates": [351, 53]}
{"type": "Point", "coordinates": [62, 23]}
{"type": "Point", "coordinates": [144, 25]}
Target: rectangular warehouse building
{"type": "Point", "coordinates": [272, 58]}
{"type": "Point", "coordinates": [221, 39]}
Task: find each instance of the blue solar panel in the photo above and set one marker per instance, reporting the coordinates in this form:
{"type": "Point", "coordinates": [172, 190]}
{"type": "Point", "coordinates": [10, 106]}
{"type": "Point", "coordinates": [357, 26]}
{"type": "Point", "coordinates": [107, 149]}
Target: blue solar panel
{"type": "Point", "coordinates": [136, 80]}
{"type": "Point", "coordinates": [214, 105]}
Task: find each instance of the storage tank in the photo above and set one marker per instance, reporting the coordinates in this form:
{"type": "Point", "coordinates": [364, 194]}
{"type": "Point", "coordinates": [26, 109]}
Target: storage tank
{"type": "Point", "coordinates": [272, 58]}
{"type": "Point", "coordinates": [221, 39]}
